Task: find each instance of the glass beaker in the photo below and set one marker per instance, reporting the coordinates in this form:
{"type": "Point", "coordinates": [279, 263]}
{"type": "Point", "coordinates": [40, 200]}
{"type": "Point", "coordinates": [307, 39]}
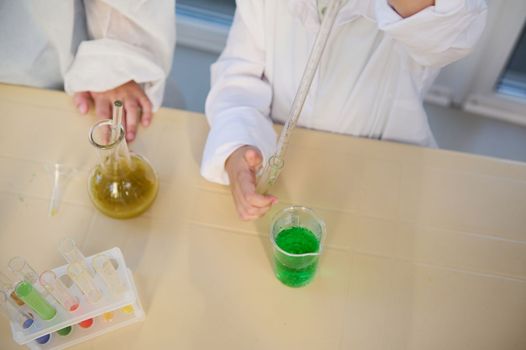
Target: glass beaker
{"type": "Point", "coordinates": [123, 184]}
{"type": "Point", "coordinates": [297, 235]}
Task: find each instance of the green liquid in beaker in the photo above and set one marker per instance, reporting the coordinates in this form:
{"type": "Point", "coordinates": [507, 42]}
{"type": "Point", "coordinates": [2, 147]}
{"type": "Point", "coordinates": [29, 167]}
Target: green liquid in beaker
{"type": "Point", "coordinates": [123, 191]}
{"type": "Point", "coordinates": [296, 271]}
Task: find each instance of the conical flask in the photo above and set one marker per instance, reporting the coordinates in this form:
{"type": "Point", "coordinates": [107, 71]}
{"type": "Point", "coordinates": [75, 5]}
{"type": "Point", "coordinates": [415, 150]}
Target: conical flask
{"type": "Point", "coordinates": [123, 184]}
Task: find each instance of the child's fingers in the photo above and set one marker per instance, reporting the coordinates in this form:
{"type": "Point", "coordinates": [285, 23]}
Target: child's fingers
{"type": "Point", "coordinates": [247, 185]}
{"type": "Point", "coordinates": [82, 101]}
{"type": "Point", "coordinates": [252, 213]}
{"type": "Point", "coordinates": [132, 117]}
{"type": "Point", "coordinates": [147, 113]}
{"type": "Point", "coordinates": [102, 107]}
{"type": "Point", "coordinates": [253, 158]}
{"type": "Point", "coordinates": [247, 211]}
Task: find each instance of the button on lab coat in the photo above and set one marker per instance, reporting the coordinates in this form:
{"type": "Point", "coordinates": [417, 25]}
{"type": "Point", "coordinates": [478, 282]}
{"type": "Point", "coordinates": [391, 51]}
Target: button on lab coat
{"type": "Point", "coordinates": [370, 82]}
{"type": "Point", "coordinates": [90, 45]}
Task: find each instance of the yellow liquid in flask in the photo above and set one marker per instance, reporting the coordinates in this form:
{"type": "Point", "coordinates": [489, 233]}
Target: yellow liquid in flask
{"type": "Point", "coordinates": [123, 188]}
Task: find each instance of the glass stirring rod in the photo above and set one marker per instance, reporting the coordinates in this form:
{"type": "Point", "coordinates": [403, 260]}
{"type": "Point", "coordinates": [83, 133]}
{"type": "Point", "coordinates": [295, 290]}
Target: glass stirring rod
{"type": "Point", "coordinates": [272, 169]}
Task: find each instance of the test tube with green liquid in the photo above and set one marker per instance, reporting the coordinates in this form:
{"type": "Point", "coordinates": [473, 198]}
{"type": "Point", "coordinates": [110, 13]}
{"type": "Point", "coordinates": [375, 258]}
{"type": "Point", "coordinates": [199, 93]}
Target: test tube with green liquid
{"type": "Point", "coordinates": [29, 295]}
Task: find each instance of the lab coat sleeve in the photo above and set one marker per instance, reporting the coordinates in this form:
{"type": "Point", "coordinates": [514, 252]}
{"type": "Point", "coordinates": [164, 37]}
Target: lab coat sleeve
{"type": "Point", "coordinates": [129, 40]}
{"type": "Point", "coordinates": [437, 35]}
{"type": "Point", "coordinates": [238, 105]}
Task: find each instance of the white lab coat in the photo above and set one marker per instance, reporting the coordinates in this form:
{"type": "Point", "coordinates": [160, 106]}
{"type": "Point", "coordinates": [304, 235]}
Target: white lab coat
{"type": "Point", "coordinates": [370, 82]}
{"type": "Point", "coordinates": [90, 45]}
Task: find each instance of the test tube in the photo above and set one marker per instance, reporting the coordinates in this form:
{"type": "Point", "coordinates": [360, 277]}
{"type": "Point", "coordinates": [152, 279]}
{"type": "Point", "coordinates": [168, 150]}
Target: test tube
{"type": "Point", "coordinates": [13, 312]}
{"type": "Point", "coordinates": [106, 270]}
{"type": "Point", "coordinates": [22, 269]}
{"type": "Point", "coordinates": [25, 291]}
{"type": "Point", "coordinates": [48, 280]}
{"type": "Point", "coordinates": [72, 254]}
{"type": "Point", "coordinates": [84, 281]}
{"type": "Point", "coordinates": [7, 285]}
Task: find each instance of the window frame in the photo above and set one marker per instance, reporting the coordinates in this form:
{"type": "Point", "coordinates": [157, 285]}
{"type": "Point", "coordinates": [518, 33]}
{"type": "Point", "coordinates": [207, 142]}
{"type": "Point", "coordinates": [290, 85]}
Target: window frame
{"type": "Point", "coordinates": [470, 84]}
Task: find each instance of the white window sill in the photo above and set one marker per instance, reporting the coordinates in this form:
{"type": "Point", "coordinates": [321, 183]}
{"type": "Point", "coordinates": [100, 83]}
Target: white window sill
{"type": "Point", "coordinates": [497, 106]}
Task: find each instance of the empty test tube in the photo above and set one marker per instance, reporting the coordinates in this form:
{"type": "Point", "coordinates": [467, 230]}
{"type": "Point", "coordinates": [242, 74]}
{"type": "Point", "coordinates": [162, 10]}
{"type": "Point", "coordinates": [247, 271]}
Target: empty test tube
{"type": "Point", "coordinates": [84, 281]}
{"type": "Point", "coordinates": [13, 312]}
{"type": "Point", "coordinates": [106, 270]}
{"type": "Point", "coordinates": [72, 254]}
{"type": "Point", "coordinates": [25, 291]}
{"type": "Point", "coordinates": [22, 269]}
{"type": "Point", "coordinates": [48, 280]}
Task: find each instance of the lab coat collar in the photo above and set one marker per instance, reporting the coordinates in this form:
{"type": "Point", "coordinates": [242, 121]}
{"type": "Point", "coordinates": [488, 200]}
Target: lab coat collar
{"type": "Point", "coordinates": [307, 12]}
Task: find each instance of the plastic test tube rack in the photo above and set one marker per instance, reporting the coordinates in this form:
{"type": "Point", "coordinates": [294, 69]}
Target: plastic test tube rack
{"type": "Point", "coordinates": [124, 310]}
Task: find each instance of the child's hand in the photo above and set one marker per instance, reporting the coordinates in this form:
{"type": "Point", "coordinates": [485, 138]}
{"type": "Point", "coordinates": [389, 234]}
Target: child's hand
{"type": "Point", "coordinates": [242, 166]}
{"type": "Point", "coordinates": [134, 99]}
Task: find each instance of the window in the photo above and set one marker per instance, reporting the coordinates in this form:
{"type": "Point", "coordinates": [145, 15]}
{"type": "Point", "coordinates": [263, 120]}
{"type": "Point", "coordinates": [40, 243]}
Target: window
{"type": "Point", "coordinates": [204, 24]}
{"type": "Point", "coordinates": [219, 11]}
{"type": "Point", "coordinates": [491, 80]}
{"type": "Point", "coordinates": [513, 80]}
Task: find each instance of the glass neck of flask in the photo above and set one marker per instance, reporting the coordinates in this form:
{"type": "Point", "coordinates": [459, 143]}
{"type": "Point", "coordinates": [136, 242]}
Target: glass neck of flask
{"type": "Point", "coordinates": [112, 149]}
